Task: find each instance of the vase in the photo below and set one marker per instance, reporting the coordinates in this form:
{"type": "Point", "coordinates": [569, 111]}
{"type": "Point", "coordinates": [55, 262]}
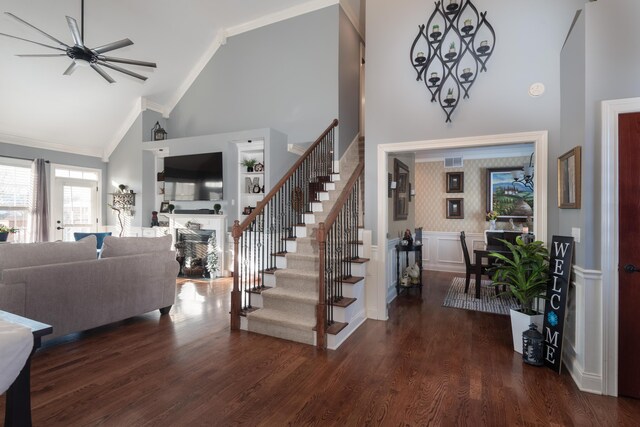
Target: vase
{"type": "Point", "coordinates": [520, 323]}
{"type": "Point", "coordinates": [492, 224]}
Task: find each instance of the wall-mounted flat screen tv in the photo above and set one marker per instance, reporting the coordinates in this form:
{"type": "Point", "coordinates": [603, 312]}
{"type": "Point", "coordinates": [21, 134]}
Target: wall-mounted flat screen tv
{"type": "Point", "coordinates": [193, 177]}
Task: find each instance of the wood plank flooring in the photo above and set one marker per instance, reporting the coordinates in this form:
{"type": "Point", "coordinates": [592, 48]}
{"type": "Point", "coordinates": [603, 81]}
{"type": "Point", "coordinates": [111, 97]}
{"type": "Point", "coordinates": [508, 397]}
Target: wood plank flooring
{"type": "Point", "coordinates": [428, 365]}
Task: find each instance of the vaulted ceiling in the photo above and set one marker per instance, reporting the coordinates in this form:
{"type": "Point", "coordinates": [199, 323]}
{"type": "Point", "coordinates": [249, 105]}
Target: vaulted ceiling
{"type": "Point", "coordinates": [82, 113]}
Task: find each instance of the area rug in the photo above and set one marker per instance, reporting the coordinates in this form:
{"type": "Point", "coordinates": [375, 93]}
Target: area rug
{"type": "Point", "coordinates": [488, 302]}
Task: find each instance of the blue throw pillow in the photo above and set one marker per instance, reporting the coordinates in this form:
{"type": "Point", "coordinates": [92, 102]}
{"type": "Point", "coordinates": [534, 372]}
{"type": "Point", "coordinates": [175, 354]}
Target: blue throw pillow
{"type": "Point", "coordinates": [99, 237]}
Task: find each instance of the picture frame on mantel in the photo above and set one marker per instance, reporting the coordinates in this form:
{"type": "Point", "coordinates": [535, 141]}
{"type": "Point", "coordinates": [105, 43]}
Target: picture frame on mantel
{"type": "Point", "coordinates": [164, 207]}
{"type": "Point", "coordinates": [401, 195]}
{"type": "Point", "coordinates": [570, 179]}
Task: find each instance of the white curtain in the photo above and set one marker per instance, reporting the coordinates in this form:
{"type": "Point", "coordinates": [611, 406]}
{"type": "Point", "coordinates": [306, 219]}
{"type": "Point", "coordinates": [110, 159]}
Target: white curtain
{"type": "Point", "coordinates": [39, 217]}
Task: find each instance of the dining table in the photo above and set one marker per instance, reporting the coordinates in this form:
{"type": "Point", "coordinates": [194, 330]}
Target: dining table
{"type": "Point", "coordinates": [484, 253]}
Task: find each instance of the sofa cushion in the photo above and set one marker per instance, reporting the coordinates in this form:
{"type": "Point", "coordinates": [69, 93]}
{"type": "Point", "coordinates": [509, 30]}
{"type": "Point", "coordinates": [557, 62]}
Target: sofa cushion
{"type": "Point", "coordinates": [123, 246]}
{"type": "Point", "coordinates": [18, 255]}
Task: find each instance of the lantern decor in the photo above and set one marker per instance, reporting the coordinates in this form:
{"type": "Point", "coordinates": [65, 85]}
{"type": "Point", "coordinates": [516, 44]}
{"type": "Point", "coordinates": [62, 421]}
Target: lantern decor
{"type": "Point", "coordinates": [157, 133]}
{"type": "Point", "coordinates": [532, 346]}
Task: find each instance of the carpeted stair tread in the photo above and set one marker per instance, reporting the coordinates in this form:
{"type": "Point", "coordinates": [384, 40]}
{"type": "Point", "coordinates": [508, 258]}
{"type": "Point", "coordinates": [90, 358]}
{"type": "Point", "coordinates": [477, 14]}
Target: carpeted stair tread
{"type": "Point", "coordinates": [293, 273]}
{"type": "Point", "coordinates": [283, 319]}
{"type": "Point", "coordinates": [293, 295]}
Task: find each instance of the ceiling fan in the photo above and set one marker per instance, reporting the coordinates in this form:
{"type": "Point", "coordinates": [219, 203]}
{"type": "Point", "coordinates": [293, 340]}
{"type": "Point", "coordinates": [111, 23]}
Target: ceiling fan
{"type": "Point", "coordinates": [81, 54]}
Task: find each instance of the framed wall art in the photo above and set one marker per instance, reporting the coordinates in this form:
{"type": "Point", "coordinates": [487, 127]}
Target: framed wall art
{"type": "Point", "coordinates": [401, 195]}
{"type": "Point", "coordinates": [510, 199]}
{"type": "Point", "coordinates": [570, 179]}
{"type": "Point", "coordinates": [455, 182]}
{"type": "Point", "coordinates": [455, 208]}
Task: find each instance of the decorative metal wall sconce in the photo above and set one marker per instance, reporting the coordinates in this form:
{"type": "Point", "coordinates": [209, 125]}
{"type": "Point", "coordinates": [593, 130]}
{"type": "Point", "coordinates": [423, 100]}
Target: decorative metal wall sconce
{"type": "Point", "coordinates": [456, 51]}
{"type": "Point", "coordinates": [525, 176]}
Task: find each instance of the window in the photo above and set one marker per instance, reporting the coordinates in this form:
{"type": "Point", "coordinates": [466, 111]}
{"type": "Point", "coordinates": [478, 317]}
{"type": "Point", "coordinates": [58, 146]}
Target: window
{"type": "Point", "coordinates": [15, 196]}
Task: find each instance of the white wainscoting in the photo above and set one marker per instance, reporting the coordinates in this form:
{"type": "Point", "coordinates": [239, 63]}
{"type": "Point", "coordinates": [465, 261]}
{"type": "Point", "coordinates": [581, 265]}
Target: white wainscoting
{"type": "Point", "coordinates": [442, 251]}
{"type": "Point", "coordinates": [583, 342]}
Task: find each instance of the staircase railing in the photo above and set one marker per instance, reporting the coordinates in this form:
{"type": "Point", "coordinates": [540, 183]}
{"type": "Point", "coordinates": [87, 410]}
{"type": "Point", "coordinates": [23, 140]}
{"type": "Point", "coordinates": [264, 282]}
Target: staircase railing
{"type": "Point", "coordinates": [337, 240]}
{"type": "Point", "coordinates": [261, 237]}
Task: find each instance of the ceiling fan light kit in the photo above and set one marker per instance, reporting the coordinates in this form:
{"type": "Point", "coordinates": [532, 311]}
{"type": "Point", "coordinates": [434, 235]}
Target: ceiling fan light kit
{"type": "Point", "coordinates": [81, 54]}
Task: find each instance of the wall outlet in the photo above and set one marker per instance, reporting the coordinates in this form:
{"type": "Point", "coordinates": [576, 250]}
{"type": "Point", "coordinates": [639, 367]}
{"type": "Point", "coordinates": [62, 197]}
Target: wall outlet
{"type": "Point", "coordinates": [575, 233]}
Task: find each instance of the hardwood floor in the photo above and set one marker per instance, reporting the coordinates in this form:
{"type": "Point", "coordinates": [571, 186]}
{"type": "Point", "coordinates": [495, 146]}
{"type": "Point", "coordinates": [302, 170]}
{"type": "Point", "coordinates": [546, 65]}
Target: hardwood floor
{"type": "Point", "coordinates": [428, 365]}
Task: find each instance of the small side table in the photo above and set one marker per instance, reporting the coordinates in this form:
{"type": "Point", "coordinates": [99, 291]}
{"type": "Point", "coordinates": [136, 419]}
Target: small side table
{"type": "Point", "coordinates": [417, 250]}
{"type": "Point", "coordinates": [18, 399]}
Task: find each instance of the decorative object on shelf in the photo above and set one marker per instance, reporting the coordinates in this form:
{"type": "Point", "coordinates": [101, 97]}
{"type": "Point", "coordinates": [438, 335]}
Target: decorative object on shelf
{"type": "Point", "coordinates": [449, 67]}
{"type": "Point", "coordinates": [154, 219]}
{"type": "Point", "coordinates": [160, 176]}
{"type": "Point", "coordinates": [216, 208]}
{"type": "Point", "coordinates": [212, 255]}
{"type": "Point", "coordinates": [247, 210]}
{"type": "Point", "coordinates": [413, 271]}
{"type": "Point", "coordinates": [171, 208]}
{"type": "Point", "coordinates": [455, 208]}
{"type": "Point", "coordinates": [256, 188]}
{"type": "Point", "coordinates": [407, 237]}
{"type": "Point", "coordinates": [510, 200]}
{"type": "Point", "coordinates": [525, 176]}
{"type": "Point", "coordinates": [249, 164]}
{"type": "Point", "coordinates": [157, 133]}
{"type": "Point", "coordinates": [455, 182]}
{"type": "Point", "coordinates": [401, 196]}
{"type": "Point", "coordinates": [258, 167]}
{"type": "Point", "coordinates": [533, 346]}
{"type": "Point", "coordinates": [569, 179]}
{"type": "Point", "coordinates": [164, 207]}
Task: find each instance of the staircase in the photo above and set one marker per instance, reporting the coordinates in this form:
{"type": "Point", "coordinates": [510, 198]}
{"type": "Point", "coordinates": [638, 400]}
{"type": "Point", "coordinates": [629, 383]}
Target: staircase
{"type": "Point", "coordinates": [300, 263]}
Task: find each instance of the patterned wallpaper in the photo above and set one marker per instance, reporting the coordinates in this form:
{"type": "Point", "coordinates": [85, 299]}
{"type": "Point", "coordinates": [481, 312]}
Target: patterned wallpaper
{"type": "Point", "coordinates": [431, 195]}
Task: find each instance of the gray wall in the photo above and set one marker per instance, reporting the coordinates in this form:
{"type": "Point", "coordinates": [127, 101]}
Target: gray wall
{"type": "Point", "coordinates": [349, 83]}
{"type": "Point", "coordinates": [125, 167]}
{"type": "Point", "coordinates": [605, 41]}
{"type": "Point", "coordinates": [530, 35]}
{"type": "Point", "coordinates": [283, 76]}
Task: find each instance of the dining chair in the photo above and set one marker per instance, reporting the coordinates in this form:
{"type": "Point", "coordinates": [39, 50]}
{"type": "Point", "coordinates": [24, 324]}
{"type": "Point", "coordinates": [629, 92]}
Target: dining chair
{"type": "Point", "coordinates": [471, 268]}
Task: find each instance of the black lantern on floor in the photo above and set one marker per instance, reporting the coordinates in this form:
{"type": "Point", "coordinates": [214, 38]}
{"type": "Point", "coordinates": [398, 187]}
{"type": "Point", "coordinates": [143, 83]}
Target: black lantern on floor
{"type": "Point", "coordinates": [532, 346]}
{"type": "Point", "coordinates": [157, 133]}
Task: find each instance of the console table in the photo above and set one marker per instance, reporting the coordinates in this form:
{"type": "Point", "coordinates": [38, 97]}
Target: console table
{"type": "Point", "coordinates": [18, 400]}
{"type": "Point", "coordinates": [417, 250]}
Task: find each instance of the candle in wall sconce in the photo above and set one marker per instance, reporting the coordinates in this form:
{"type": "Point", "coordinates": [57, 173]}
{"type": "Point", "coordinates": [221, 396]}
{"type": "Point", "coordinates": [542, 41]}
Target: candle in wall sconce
{"type": "Point", "coordinates": [436, 28]}
{"type": "Point", "coordinates": [484, 43]}
{"type": "Point", "coordinates": [467, 22]}
{"type": "Point", "coordinates": [434, 75]}
{"type": "Point", "coordinates": [453, 1]}
{"type": "Point", "coordinates": [466, 70]}
{"type": "Point", "coordinates": [420, 57]}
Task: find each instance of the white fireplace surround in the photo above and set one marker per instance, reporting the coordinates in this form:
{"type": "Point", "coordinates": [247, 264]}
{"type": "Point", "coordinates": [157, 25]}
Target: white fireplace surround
{"type": "Point", "coordinates": [207, 222]}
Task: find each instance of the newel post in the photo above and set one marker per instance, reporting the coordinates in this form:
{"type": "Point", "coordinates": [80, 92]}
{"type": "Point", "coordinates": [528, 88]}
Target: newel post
{"type": "Point", "coordinates": [321, 311]}
{"type": "Point", "coordinates": [236, 303]}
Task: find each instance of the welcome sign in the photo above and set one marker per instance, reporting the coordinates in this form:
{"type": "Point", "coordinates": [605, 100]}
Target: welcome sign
{"type": "Point", "coordinates": [557, 292]}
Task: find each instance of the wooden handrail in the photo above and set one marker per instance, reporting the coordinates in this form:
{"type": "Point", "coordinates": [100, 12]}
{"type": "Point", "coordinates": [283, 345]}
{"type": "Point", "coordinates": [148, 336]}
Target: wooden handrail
{"type": "Point", "coordinates": [337, 207]}
{"type": "Point", "coordinates": [249, 219]}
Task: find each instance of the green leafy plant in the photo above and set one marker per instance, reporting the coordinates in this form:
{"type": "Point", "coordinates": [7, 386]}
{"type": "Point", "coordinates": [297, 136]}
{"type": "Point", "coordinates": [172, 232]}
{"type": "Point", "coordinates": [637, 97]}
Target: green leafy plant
{"type": "Point", "coordinates": [249, 163]}
{"type": "Point", "coordinates": [525, 273]}
{"type": "Point", "coordinates": [6, 229]}
{"type": "Point", "coordinates": [171, 207]}
{"type": "Point", "coordinates": [217, 207]}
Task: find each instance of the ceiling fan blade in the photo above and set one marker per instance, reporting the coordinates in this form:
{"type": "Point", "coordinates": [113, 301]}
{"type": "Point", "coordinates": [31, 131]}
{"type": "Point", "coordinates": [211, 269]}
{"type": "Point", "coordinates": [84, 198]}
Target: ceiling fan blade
{"type": "Point", "coordinates": [127, 61]}
{"type": "Point", "coordinates": [31, 41]}
{"type": "Point", "coordinates": [37, 29]}
{"type": "Point", "coordinates": [100, 71]}
{"type": "Point", "coordinates": [75, 31]}
{"type": "Point", "coordinates": [41, 55]}
{"type": "Point", "coordinates": [71, 69]}
{"type": "Point", "coordinates": [112, 46]}
{"type": "Point", "coordinates": [122, 70]}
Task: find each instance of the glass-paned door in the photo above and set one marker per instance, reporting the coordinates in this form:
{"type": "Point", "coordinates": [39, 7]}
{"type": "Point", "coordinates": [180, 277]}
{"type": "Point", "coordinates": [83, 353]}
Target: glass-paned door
{"type": "Point", "coordinates": [75, 204]}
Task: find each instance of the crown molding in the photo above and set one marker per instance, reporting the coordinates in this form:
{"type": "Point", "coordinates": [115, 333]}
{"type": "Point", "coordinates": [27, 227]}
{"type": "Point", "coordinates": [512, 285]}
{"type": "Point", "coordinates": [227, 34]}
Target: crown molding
{"type": "Point", "coordinates": [353, 17]}
{"type": "Point", "coordinates": [46, 145]}
{"type": "Point", "coordinates": [138, 107]}
{"type": "Point", "coordinates": [146, 104]}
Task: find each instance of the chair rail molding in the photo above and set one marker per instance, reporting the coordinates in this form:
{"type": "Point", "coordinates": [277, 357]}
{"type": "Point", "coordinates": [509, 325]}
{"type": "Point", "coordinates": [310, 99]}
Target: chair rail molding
{"type": "Point", "coordinates": [610, 111]}
{"type": "Point", "coordinates": [541, 158]}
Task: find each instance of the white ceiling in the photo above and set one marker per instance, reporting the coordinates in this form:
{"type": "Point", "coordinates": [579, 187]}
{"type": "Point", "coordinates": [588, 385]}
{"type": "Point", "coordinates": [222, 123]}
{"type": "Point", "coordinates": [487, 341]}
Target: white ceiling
{"type": "Point", "coordinates": [82, 113]}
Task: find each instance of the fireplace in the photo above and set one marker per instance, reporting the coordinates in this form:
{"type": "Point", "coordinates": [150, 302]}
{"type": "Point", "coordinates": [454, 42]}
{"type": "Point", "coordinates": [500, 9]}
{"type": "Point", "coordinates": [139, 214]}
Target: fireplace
{"type": "Point", "coordinates": [192, 250]}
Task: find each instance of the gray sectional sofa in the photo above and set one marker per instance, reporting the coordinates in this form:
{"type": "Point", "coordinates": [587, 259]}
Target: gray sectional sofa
{"type": "Point", "coordinates": [64, 285]}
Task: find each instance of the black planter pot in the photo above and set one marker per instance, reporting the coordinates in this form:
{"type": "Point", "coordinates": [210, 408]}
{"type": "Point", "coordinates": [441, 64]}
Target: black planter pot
{"type": "Point", "coordinates": [3, 236]}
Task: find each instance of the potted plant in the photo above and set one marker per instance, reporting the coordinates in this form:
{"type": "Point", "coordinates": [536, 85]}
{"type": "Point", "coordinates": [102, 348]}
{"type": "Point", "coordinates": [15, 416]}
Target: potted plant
{"type": "Point", "coordinates": [249, 164]}
{"type": "Point", "coordinates": [4, 232]}
{"type": "Point", "coordinates": [216, 208]}
{"type": "Point", "coordinates": [524, 271]}
{"type": "Point", "coordinates": [171, 207]}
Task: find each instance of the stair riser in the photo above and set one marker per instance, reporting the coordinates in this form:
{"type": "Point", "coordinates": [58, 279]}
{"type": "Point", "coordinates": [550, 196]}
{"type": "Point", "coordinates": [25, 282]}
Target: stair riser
{"type": "Point", "coordinates": [304, 264]}
{"type": "Point", "coordinates": [291, 246]}
{"type": "Point", "coordinates": [309, 218]}
{"type": "Point", "coordinates": [256, 301]}
{"type": "Point", "coordinates": [286, 305]}
{"type": "Point", "coordinates": [353, 291]}
{"type": "Point", "coordinates": [301, 231]}
{"type": "Point", "coordinates": [322, 195]}
{"type": "Point", "coordinates": [269, 280]}
{"type": "Point", "coordinates": [358, 269]}
{"type": "Point", "coordinates": [316, 207]}
{"type": "Point", "coordinates": [334, 341]}
{"type": "Point", "coordinates": [346, 314]}
{"type": "Point", "coordinates": [278, 331]}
